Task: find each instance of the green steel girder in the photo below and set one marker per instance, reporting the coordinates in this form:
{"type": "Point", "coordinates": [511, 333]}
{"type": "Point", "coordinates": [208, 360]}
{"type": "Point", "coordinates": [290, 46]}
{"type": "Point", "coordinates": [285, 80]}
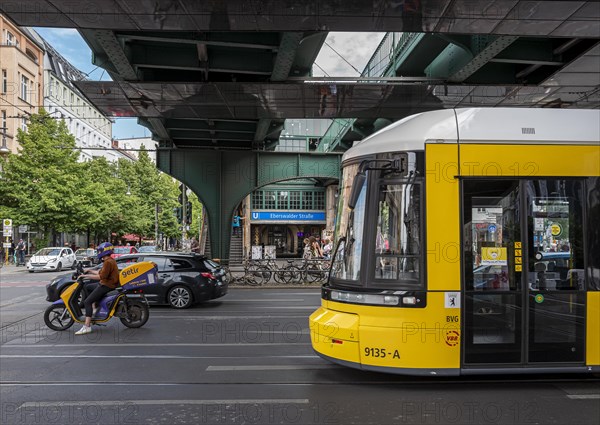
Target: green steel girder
{"type": "Point", "coordinates": [464, 57]}
{"type": "Point", "coordinates": [530, 51]}
{"type": "Point", "coordinates": [222, 178]}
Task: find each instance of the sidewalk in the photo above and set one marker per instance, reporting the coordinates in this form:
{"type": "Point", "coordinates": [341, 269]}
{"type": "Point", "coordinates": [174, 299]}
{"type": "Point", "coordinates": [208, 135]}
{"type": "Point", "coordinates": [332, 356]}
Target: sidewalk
{"type": "Point", "coordinates": [238, 271]}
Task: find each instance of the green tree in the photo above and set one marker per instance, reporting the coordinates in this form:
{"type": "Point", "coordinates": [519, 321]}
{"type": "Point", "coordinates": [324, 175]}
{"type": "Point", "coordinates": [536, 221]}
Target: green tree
{"type": "Point", "coordinates": [102, 200]}
{"type": "Point", "coordinates": [41, 184]}
{"type": "Point", "coordinates": [150, 190]}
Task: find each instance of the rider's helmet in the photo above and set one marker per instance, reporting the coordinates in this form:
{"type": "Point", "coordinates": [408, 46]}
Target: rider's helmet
{"type": "Point", "coordinates": [105, 249]}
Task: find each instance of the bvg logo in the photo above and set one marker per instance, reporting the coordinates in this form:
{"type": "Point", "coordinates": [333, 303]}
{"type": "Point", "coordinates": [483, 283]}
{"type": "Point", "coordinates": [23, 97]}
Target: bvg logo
{"type": "Point", "coordinates": [129, 272]}
{"type": "Point", "coordinates": [452, 338]}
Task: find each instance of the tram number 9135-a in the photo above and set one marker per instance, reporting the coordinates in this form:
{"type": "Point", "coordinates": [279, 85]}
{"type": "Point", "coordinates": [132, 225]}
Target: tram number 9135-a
{"type": "Point", "coordinates": [381, 353]}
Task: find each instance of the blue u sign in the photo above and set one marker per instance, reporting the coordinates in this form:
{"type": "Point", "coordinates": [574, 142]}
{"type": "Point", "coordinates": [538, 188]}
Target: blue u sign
{"type": "Point", "coordinates": [289, 216]}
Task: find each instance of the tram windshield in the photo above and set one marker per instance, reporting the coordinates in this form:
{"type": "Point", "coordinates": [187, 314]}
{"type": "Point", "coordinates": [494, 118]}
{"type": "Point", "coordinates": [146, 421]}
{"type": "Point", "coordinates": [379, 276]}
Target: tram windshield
{"type": "Point", "coordinates": [392, 241]}
{"type": "Point", "coordinates": [397, 237]}
{"type": "Point", "coordinates": [349, 226]}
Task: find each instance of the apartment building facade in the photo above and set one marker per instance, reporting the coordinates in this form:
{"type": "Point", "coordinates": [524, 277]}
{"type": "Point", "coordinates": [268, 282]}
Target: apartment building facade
{"type": "Point", "coordinates": [21, 81]}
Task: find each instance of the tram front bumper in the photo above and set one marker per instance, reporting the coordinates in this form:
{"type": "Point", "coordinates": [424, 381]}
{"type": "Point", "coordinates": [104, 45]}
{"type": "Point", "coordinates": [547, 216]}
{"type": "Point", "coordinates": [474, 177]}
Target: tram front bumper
{"type": "Point", "coordinates": [335, 335]}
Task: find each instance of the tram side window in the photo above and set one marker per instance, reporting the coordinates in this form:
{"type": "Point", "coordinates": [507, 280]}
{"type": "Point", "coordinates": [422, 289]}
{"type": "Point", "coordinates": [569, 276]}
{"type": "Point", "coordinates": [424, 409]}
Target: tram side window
{"type": "Point", "coordinates": [592, 199]}
{"type": "Point", "coordinates": [491, 230]}
{"type": "Point", "coordinates": [556, 235]}
{"type": "Point", "coordinates": [398, 233]}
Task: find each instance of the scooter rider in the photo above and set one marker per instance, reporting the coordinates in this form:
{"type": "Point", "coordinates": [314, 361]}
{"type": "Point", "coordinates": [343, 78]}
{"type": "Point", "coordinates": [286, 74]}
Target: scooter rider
{"type": "Point", "coordinates": [109, 280]}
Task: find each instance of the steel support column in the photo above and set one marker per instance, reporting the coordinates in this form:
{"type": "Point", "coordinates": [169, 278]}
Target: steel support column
{"type": "Point", "coordinates": [221, 179]}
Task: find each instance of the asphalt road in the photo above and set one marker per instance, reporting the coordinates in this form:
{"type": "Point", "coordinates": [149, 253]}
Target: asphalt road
{"type": "Point", "coordinates": [245, 359]}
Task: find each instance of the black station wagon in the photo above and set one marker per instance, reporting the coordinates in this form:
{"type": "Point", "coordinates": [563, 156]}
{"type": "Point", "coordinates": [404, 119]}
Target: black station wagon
{"type": "Point", "coordinates": [183, 279]}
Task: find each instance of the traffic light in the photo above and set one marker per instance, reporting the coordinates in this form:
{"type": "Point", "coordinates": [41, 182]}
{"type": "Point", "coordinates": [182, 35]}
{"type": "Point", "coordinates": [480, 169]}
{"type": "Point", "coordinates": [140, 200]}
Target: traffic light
{"type": "Point", "coordinates": [178, 213]}
{"type": "Point", "coordinates": [181, 195]}
{"type": "Point", "coordinates": [188, 212]}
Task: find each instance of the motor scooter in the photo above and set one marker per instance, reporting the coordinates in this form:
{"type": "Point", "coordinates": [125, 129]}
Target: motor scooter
{"type": "Point", "coordinates": [127, 302]}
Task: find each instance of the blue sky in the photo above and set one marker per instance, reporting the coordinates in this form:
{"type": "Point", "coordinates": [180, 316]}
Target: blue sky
{"type": "Point", "coordinates": [356, 48]}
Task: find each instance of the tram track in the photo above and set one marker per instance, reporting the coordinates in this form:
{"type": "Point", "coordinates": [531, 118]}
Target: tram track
{"type": "Point", "coordinates": [5, 326]}
{"type": "Point", "coordinates": [578, 380]}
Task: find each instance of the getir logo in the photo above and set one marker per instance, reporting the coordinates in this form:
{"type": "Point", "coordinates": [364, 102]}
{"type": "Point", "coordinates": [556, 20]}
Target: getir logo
{"type": "Point", "coordinates": [129, 272]}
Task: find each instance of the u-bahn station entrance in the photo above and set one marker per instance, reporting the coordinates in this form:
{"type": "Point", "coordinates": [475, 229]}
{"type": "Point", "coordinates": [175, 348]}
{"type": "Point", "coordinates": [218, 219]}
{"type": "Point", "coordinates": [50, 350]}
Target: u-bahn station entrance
{"type": "Point", "coordinates": [216, 82]}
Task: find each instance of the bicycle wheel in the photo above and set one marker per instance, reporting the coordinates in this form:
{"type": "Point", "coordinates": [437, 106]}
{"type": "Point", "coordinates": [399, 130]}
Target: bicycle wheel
{"type": "Point", "coordinates": [279, 276]}
{"type": "Point", "coordinates": [252, 276]}
{"type": "Point", "coordinates": [293, 275]}
{"type": "Point", "coordinates": [313, 273]}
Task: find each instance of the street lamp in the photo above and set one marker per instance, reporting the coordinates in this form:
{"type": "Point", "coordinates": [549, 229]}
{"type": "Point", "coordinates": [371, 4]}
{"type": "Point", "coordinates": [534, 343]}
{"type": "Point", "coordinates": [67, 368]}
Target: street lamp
{"type": "Point", "coordinates": [128, 190]}
{"type": "Point", "coordinates": [4, 149]}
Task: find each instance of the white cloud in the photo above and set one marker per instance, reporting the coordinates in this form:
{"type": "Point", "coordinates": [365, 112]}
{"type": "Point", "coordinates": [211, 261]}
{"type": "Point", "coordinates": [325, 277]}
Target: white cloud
{"type": "Point", "coordinates": [356, 47]}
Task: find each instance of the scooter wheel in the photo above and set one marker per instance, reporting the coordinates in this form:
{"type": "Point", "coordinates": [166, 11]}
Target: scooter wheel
{"type": "Point", "coordinates": [137, 314]}
{"type": "Point", "coordinates": [58, 318]}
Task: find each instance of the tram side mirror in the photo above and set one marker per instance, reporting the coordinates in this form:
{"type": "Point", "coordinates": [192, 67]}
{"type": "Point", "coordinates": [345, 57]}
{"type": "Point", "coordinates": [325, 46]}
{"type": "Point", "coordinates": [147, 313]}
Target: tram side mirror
{"type": "Point", "coordinates": [357, 184]}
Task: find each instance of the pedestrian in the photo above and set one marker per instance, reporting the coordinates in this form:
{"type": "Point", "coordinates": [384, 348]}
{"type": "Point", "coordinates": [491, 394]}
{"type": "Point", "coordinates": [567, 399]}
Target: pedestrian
{"type": "Point", "coordinates": [236, 224]}
{"type": "Point", "coordinates": [12, 252]}
{"type": "Point", "coordinates": [327, 247]}
{"type": "Point", "coordinates": [315, 248]}
{"type": "Point", "coordinates": [21, 253]}
{"type": "Point", "coordinates": [195, 247]}
{"type": "Point", "coordinates": [306, 254]}
{"type": "Point", "coordinates": [109, 280]}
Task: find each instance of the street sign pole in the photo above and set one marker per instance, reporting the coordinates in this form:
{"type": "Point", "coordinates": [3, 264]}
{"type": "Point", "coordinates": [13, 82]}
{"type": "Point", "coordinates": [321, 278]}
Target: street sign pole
{"type": "Point", "coordinates": [7, 231]}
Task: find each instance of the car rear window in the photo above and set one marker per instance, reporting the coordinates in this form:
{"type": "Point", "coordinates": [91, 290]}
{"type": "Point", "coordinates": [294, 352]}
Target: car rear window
{"type": "Point", "coordinates": [211, 265]}
{"type": "Point", "coordinates": [177, 264]}
{"type": "Point", "coordinates": [124, 262]}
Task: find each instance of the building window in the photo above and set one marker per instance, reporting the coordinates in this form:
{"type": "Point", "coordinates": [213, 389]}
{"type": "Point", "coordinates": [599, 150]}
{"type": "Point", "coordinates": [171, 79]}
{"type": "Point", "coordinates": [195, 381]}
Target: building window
{"type": "Point", "coordinates": [257, 200]}
{"type": "Point", "coordinates": [10, 39]}
{"type": "Point", "coordinates": [295, 200]}
{"type": "Point", "coordinates": [64, 99]}
{"type": "Point", "coordinates": [270, 198]}
{"type": "Point", "coordinates": [4, 81]}
{"type": "Point", "coordinates": [291, 145]}
{"type": "Point", "coordinates": [4, 129]}
{"type": "Point", "coordinates": [319, 200]}
{"type": "Point", "coordinates": [24, 88]}
{"type": "Point", "coordinates": [24, 123]}
{"type": "Point", "coordinates": [282, 200]}
{"type": "Point", "coordinates": [288, 199]}
{"type": "Point", "coordinates": [307, 201]}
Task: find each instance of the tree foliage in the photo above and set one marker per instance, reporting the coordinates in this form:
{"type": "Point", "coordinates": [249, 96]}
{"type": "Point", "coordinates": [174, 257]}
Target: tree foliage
{"type": "Point", "coordinates": [41, 184]}
{"type": "Point", "coordinates": [46, 187]}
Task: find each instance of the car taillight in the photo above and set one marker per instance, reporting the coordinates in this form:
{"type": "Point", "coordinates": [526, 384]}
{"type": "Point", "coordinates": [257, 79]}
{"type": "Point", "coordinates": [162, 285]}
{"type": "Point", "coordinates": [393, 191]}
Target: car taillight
{"type": "Point", "coordinates": [207, 275]}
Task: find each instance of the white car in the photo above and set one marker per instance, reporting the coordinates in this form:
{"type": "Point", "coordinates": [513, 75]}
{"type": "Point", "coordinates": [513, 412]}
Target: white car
{"type": "Point", "coordinates": [53, 258]}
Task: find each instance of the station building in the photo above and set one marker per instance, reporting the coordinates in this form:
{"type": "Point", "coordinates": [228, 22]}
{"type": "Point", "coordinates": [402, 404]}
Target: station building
{"type": "Point", "coordinates": [281, 215]}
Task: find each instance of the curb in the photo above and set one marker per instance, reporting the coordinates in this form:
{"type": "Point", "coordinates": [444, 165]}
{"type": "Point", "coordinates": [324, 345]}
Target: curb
{"type": "Point", "coordinates": [301, 286]}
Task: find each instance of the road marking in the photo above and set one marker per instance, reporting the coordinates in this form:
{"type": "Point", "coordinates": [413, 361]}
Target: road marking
{"type": "Point", "coordinates": [86, 403]}
{"type": "Point", "coordinates": [310, 307]}
{"type": "Point", "coordinates": [16, 300]}
{"type": "Point", "coordinates": [243, 301]}
{"type": "Point", "coordinates": [584, 396]}
{"type": "Point", "coordinates": [158, 356]}
{"type": "Point", "coordinates": [270, 367]}
{"type": "Point", "coordinates": [94, 345]}
{"type": "Point", "coordinates": [258, 316]}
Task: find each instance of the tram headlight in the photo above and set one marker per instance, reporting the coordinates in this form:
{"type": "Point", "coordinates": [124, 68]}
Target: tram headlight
{"type": "Point", "coordinates": [357, 298]}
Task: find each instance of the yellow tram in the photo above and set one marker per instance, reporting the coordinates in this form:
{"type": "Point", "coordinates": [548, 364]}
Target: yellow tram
{"type": "Point", "coordinates": [468, 242]}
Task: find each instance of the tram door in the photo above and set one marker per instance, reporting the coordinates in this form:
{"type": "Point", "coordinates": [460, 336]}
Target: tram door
{"type": "Point", "coordinates": [523, 268]}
